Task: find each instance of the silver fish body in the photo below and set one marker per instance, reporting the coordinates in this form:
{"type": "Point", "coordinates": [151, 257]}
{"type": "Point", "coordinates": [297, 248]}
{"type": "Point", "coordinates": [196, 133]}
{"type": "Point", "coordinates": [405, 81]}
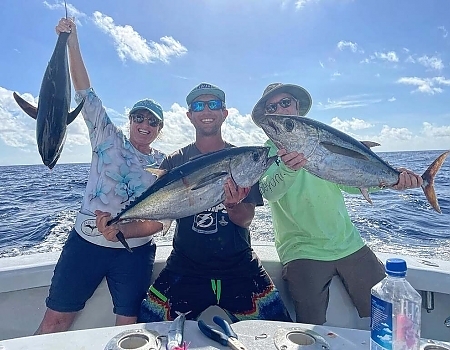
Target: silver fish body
{"type": "Point", "coordinates": [337, 157]}
{"type": "Point", "coordinates": [176, 333]}
{"type": "Point", "coordinates": [52, 113]}
{"type": "Point", "coordinates": [198, 184]}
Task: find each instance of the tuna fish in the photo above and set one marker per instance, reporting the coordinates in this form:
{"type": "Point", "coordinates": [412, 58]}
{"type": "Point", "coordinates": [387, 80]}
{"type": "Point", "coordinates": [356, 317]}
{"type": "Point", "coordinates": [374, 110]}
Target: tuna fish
{"type": "Point", "coordinates": [197, 185]}
{"type": "Point", "coordinates": [176, 333]}
{"type": "Point", "coordinates": [336, 157]}
{"type": "Point", "coordinates": [52, 113]}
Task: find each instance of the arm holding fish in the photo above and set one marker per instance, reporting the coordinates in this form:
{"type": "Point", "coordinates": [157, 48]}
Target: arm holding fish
{"type": "Point", "coordinates": [239, 212]}
{"type": "Point", "coordinates": [134, 229]}
{"type": "Point", "coordinates": [94, 114]}
{"type": "Point", "coordinates": [407, 179]}
{"type": "Point", "coordinates": [78, 72]}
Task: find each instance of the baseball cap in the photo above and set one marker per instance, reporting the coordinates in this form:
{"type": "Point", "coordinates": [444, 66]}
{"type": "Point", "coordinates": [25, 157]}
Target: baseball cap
{"type": "Point", "coordinates": [151, 106]}
{"type": "Point", "coordinates": [205, 89]}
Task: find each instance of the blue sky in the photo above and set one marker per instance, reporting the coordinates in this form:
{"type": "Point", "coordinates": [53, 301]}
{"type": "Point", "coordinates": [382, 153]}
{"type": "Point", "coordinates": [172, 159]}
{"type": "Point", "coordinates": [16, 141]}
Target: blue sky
{"type": "Point", "coordinates": [376, 69]}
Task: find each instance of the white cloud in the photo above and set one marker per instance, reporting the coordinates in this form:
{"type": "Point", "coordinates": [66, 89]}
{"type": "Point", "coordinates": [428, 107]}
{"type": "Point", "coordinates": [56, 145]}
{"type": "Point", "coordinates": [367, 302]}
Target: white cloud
{"type": "Point", "coordinates": [341, 45]}
{"type": "Point", "coordinates": [301, 3]}
{"type": "Point", "coordinates": [431, 62]}
{"type": "Point", "coordinates": [321, 64]}
{"type": "Point", "coordinates": [130, 44]}
{"type": "Point", "coordinates": [392, 99]}
{"type": "Point", "coordinates": [72, 11]}
{"type": "Point", "coordinates": [348, 125]}
{"type": "Point", "coordinates": [390, 56]}
{"type": "Point", "coordinates": [444, 31]}
{"type": "Point", "coordinates": [410, 59]}
{"type": "Point", "coordinates": [425, 85]}
{"type": "Point", "coordinates": [431, 131]}
{"type": "Point", "coordinates": [388, 133]}
{"type": "Point", "coordinates": [347, 102]}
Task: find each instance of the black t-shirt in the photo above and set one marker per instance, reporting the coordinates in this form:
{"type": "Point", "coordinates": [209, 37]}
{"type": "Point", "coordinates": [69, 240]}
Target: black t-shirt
{"type": "Point", "coordinates": [209, 244]}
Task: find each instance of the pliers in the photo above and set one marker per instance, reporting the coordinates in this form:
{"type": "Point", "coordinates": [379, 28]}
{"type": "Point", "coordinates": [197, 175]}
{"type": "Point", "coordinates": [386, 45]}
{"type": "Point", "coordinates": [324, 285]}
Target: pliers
{"type": "Point", "coordinates": [229, 338]}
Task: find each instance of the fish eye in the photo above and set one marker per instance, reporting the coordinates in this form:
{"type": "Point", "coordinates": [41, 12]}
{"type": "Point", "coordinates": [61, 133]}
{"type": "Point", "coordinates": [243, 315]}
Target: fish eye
{"type": "Point", "coordinates": [289, 125]}
{"type": "Point", "coordinates": [255, 156]}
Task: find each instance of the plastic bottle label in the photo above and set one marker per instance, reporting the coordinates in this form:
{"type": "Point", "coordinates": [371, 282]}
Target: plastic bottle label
{"type": "Point", "coordinates": [381, 324]}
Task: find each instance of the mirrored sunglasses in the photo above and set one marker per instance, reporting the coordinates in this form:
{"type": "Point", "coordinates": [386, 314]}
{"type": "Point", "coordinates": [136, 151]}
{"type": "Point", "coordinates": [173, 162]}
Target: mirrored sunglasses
{"type": "Point", "coordinates": [213, 105]}
{"type": "Point", "coordinates": [139, 118]}
{"type": "Point", "coordinates": [284, 102]}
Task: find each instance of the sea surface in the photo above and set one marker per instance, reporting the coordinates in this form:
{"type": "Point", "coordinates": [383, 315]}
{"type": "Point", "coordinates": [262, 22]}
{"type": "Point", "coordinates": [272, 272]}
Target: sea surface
{"type": "Point", "coordinates": [38, 208]}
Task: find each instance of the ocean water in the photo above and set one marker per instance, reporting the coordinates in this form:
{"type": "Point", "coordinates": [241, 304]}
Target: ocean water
{"type": "Point", "coordinates": [38, 208]}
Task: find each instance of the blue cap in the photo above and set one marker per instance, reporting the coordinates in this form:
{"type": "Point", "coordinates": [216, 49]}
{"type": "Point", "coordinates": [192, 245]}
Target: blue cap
{"type": "Point", "coordinates": [151, 106]}
{"type": "Point", "coordinates": [205, 89]}
{"type": "Point", "coordinates": [396, 267]}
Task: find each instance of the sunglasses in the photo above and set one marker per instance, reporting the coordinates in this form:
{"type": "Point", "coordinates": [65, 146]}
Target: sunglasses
{"type": "Point", "coordinates": [213, 105]}
{"type": "Point", "coordinates": [284, 102]}
{"type": "Point", "coordinates": [152, 120]}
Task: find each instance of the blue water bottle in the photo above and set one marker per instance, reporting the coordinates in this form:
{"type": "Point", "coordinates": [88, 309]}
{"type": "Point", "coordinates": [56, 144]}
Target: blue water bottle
{"type": "Point", "coordinates": [396, 311]}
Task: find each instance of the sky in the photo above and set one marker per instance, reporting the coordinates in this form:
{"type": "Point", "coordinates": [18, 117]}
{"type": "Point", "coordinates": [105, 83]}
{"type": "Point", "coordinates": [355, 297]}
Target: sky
{"type": "Point", "coordinates": [378, 70]}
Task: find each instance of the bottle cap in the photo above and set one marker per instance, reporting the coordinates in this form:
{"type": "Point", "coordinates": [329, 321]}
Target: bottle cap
{"type": "Point", "coordinates": [396, 267]}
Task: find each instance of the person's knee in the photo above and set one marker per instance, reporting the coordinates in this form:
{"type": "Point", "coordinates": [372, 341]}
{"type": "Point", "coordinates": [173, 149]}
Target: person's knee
{"type": "Point", "coordinates": [124, 320]}
{"type": "Point", "coordinates": [55, 321]}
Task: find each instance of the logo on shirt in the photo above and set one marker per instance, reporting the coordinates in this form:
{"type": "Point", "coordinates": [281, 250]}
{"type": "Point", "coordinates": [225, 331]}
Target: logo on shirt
{"type": "Point", "coordinates": [89, 228]}
{"type": "Point", "coordinates": [208, 221]}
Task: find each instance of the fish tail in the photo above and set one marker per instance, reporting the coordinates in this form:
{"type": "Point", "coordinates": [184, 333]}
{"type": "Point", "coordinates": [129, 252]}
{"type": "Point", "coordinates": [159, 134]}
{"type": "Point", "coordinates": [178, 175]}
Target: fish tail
{"type": "Point", "coordinates": [183, 346]}
{"type": "Point", "coordinates": [428, 181]}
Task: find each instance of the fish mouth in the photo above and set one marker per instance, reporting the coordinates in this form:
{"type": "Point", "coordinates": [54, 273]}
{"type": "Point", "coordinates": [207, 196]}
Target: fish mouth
{"type": "Point", "coordinates": [271, 125]}
{"type": "Point", "coordinates": [271, 160]}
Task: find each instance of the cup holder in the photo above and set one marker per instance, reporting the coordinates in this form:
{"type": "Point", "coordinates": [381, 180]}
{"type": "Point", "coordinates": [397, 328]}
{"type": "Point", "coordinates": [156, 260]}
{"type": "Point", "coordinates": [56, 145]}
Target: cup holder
{"type": "Point", "coordinates": [299, 339]}
{"type": "Point", "coordinates": [135, 339]}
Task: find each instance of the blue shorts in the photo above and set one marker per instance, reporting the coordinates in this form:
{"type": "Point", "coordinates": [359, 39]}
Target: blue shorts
{"type": "Point", "coordinates": [242, 298]}
{"type": "Point", "coordinates": [83, 265]}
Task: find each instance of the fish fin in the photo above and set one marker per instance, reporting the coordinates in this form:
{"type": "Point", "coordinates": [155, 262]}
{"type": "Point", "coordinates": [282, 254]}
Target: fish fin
{"type": "Point", "coordinates": [155, 171]}
{"type": "Point", "coordinates": [365, 193]}
{"type": "Point", "coordinates": [370, 144]}
{"type": "Point", "coordinates": [26, 106]}
{"type": "Point", "coordinates": [72, 115]}
{"type": "Point", "coordinates": [205, 181]}
{"type": "Point", "coordinates": [428, 181]}
{"type": "Point", "coordinates": [333, 148]}
{"type": "Point", "coordinates": [166, 226]}
{"type": "Point", "coordinates": [52, 164]}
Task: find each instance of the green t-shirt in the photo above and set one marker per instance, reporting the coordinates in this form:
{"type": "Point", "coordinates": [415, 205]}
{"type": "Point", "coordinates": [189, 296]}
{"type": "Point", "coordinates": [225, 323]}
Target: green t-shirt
{"type": "Point", "coordinates": [310, 219]}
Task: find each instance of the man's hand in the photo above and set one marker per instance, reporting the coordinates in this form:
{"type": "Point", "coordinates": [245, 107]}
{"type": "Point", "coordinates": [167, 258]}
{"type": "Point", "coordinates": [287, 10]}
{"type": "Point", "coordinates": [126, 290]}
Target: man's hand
{"type": "Point", "coordinates": [234, 194]}
{"type": "Point", "coordinates": [407, 179]}
{"type": "Point", "coordinates": [293, 160]}
{"type": "Point", "coordinates": [109, 232]}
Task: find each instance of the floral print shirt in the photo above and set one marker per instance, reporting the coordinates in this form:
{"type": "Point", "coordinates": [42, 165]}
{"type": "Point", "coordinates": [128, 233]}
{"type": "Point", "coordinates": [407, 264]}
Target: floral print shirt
{"type": "Point", "coordinates": [117, 173]}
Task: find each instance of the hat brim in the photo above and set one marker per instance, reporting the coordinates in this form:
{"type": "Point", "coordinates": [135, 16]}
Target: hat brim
{"type": "Point", "coordinates": [299, 93]}
{"type": "Point", "coordinates": [147, 109]}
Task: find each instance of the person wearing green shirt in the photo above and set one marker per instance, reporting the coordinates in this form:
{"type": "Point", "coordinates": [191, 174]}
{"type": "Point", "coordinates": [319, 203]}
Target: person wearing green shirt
{"type": "Point", "coordinates": [314, 236]}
